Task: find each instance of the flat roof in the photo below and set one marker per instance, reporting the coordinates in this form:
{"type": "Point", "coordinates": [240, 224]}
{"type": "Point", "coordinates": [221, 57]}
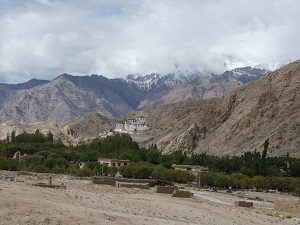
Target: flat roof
{"type": "Point", "coordinates": [190, 166]}
{"type": "Point", "coordinates": [113, 160]}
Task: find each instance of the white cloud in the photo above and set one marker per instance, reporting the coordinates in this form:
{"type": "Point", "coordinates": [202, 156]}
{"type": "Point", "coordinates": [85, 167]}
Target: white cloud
{"type": "Point", "coordinates": [45, 38]}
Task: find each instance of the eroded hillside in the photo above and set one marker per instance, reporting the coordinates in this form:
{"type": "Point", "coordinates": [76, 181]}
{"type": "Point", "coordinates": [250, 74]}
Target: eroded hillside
{"type": "Point", "coordinates": [239, 122]}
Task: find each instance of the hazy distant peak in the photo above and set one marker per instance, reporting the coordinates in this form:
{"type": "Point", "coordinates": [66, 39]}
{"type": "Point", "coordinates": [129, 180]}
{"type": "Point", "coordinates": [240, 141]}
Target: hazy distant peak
{"type": "Point", "coordinates": [26, 85]}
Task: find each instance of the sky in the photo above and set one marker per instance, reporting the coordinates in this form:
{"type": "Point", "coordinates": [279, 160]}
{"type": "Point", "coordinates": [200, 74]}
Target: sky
{"type": "Point", "coordinates": [45, 38]}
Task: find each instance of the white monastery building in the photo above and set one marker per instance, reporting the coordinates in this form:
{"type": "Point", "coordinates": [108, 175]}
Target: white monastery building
{"type": "Point", "coordinates": [132, 125]}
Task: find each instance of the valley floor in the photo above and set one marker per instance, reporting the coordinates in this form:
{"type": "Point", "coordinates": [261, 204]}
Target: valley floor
{"type": "Point", "coordinates": [86, 203]}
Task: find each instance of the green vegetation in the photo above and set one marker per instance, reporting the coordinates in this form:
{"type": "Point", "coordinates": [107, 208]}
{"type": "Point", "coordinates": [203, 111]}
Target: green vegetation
{"type": "Point", "coordinates": [148, 170]}
{"type": "Point", "coordinates": [252, 169]}
{"type": "Point", "coordinates": [240, 181]}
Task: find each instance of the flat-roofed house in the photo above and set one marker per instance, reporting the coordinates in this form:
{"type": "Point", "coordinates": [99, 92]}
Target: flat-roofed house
{"type": "Point", "coordinates": [113, 162]}
{"type": "Point", "coordinates": [192, 168]}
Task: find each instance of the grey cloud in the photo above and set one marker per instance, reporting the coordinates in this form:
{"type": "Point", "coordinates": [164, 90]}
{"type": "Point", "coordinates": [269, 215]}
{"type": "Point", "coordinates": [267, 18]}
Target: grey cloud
{"type": "Point", "coordinates": [44, 38]}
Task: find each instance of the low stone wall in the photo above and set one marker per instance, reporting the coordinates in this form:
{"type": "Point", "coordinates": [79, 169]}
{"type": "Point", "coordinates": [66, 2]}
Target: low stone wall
{"type": "Point", "coordinates": [104, 181]}
{"type": "Point", "coordinates": [132, 185]}
{"type": "Point", "coordinates": [244, 204]}
{"type": "Point", "coordinates": [123, 179]}
{"type": "Point", "coordinates": [49, 186]}
{"type": "Point", "coordinates": [182, 194]}
{"type": "Point", "coordinates": [166, 189]}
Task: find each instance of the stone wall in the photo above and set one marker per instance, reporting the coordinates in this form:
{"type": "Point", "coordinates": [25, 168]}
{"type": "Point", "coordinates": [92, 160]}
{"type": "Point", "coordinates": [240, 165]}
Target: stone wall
{"type": "Point", "coordinates": [244, 204]}
{"type": "Point", "coordinates": [182, 194]}
{"type": "Point", "coordinates": [104, 181]}
{"type": "Point", "coordinates": [133, 185]}
{"type": "Point", "coordinates": [166, 189]}
{"type": "Point", "coordinates": [123, 179]}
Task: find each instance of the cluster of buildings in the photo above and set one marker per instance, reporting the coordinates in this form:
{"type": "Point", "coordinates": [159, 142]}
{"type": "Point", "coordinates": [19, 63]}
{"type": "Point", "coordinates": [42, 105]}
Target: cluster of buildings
{"type": "Point", "coordinates": [132, 125]}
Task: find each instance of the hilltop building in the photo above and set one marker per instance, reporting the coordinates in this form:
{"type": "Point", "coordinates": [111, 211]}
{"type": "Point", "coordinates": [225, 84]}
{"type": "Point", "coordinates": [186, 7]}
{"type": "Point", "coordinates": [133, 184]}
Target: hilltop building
{"type": "Point", "coordinates": [132, 125]}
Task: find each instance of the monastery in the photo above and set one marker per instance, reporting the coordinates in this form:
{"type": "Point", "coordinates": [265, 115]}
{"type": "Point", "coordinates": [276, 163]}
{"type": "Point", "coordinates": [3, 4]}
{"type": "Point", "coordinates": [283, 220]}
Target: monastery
{"type": "Point", "coordinates": [132, 125]}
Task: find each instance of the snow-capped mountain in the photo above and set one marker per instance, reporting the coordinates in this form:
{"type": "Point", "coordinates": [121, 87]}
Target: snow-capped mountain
{"type": "Point", "coordinates": [245, 74]}
{"type": "Point", "coordinates": [158, 81]}
{"type": "Point", "coordinates": [233, 62]}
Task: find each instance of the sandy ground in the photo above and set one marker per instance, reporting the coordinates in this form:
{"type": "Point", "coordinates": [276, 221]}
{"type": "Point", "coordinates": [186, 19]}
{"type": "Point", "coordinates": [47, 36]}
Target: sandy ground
{"type": "Point", "coordinates": [86, 203]}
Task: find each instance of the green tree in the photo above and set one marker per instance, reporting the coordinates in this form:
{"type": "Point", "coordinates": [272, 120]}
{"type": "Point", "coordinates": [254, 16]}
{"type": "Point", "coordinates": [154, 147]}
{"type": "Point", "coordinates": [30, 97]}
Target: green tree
{"type": "Point", "coordinates": [13, 136]}
{"type": "Point", "coordinates": [295, 169]}
{"type": "Point", "coordinates": [263, 167]}
{"type": "Point", "coordinates": [50, 137]}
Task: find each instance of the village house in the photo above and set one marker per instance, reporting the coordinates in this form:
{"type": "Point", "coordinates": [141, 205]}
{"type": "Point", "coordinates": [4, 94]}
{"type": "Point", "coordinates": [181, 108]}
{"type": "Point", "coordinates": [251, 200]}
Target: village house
{"type": "Point", "coordinates": [192, 168]}
{"type": "Point", "coordinates": [113, 162]}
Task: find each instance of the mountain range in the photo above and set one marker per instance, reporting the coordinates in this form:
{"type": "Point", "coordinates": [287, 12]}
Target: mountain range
{"type": "Point", "coordinates": [224, 114]}
{"type": "Point", "coordinates": [68, 97]}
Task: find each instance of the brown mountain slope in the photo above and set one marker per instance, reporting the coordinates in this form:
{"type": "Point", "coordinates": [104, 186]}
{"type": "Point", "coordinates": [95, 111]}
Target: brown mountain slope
{"type": "Point", "coordinates": [60, 101]}
{"type": "Point", "coordinates": [205, 87]}
{"type": "Point", "coordinates": [82, 128]}
{"type": "Point", "coordinates": [58, 132]}
{"type": "Point", "coordinates": [90, 125]}
{"type": "Point", "coordinates": [239, 122]}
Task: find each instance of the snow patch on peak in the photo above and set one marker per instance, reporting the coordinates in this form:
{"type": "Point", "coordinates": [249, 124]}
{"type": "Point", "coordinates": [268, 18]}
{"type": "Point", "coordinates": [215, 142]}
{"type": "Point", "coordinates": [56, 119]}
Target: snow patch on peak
{"type": "Point", "coordinates": [232, 62]}
{"type": "Point", "coordinates": [155, 80]}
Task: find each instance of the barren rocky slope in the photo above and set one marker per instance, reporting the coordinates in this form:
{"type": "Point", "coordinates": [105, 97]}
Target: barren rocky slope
{"type": "Point", "coordinates": [61, 100]}
{"type": "Point", "coordinates": [242, 121]}
{"type": "Point", "coordinates": [63, 134]}
{"type": "Point", "coordinates": [204, 87]}
{"type": "Point", "coordinates": [90, 125]}
{"type": "Point", "coordinates": [80, 129]}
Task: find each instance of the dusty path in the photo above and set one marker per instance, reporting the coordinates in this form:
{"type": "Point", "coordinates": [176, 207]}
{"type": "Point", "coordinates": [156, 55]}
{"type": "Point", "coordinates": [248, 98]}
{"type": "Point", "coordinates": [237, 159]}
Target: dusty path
{"type": "Point", "coordinates": [86, 203]}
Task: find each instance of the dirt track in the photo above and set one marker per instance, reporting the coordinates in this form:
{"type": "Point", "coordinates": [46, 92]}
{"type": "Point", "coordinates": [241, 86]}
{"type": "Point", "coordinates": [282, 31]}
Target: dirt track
{"type": "Point", "coordinates": [86, 203]}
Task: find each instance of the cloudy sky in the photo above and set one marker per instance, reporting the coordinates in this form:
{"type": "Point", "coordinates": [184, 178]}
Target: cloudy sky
{"type": "Point", "coordinates": [44, 38]}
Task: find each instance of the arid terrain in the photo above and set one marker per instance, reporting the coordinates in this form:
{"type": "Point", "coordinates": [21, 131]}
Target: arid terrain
{"type": "Point", "coordinates": [241, 121]}
{"type": "Point", "coordinates": [85, 203]}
